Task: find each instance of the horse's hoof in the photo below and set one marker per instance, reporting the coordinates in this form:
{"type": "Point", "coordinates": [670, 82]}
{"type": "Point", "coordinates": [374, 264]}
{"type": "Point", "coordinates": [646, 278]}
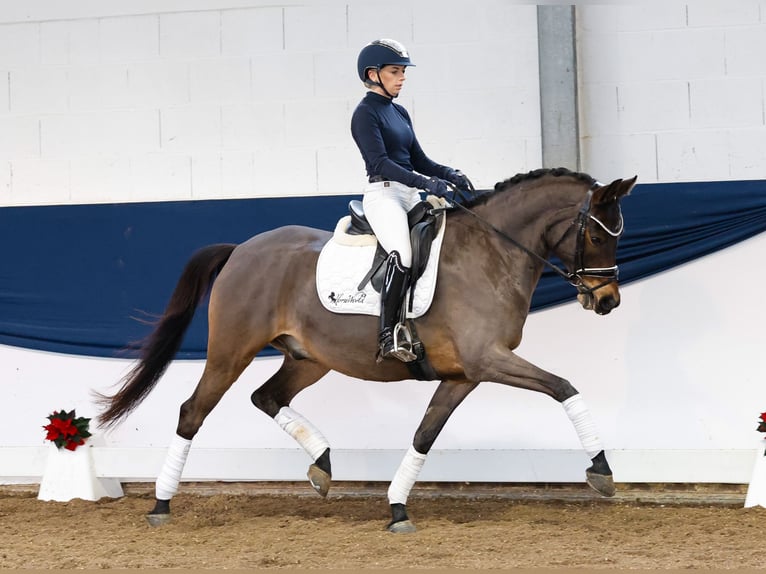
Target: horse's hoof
{"type": "Point", "coordinates": [402, 527]}
{"type": "Point", "coordinates": [319, 479]}
{"type": "Point", "coordinates": [601, 483]}
{"type": "Point", "coordinates": [157, 519]}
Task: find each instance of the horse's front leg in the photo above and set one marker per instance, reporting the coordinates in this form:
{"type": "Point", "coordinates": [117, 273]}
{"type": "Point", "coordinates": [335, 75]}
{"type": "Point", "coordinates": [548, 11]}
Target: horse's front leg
{"type": "Point", "coordinates": [449, 394]}
{"type": "Point", "coordinates": [507, 368]}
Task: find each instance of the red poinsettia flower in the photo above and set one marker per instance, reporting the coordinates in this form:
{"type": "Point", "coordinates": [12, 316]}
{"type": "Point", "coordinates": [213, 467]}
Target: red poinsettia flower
{"type": "Point", "coordinates": [762, 423]}
{"type": "Point", "coordinates": [64, 426]}
{"type": "Point", "coordinates": [67, 430]}
{"type": "Point", "coordinates": [72, 444]}
{"type": "Point", "coordinates": [53, 432]}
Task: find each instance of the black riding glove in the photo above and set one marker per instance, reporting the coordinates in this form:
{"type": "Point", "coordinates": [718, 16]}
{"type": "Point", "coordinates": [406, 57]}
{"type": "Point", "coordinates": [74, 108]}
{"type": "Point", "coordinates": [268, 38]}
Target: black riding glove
{"type": "Point", "coordinates": [459, 179]}
{"type": "Point", "coordinates": [437, 187]}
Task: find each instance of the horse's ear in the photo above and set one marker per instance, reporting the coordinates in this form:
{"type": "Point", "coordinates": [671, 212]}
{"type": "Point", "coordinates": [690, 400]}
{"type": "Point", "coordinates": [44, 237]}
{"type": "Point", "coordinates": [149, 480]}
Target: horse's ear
{"type": "Point", "coordinates": [614, 191]}
{"type": "Point", "coordinates": [625, 187]}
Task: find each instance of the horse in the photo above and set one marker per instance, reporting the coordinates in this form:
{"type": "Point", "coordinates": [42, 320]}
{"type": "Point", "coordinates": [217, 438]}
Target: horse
{"type": "Point", "coordinates": [495, 247]}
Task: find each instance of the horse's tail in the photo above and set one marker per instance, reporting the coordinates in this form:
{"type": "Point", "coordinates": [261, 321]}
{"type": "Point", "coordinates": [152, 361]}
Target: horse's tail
{"type": "Point", "coordinates": [159, 348]}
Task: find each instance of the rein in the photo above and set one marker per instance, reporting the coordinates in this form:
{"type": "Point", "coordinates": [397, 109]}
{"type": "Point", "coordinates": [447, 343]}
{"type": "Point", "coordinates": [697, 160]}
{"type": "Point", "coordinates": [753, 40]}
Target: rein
{"type": "Point", "coordinates": [574, 278]}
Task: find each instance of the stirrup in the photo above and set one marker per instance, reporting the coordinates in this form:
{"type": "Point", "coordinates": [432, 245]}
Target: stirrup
{"type": "Point", "coordinates": [402, 344]}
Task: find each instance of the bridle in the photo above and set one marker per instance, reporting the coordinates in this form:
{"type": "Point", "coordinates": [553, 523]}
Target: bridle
{"type": "Point", "coordinates": [609, 274]}
{"type": "Point", "coordinates": [580, 224]}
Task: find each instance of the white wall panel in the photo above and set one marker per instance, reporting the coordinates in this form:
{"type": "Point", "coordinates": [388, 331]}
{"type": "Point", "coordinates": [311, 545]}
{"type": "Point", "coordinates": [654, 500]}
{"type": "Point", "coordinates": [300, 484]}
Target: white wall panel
{"type": "Point", "coordinates": [717, 14]}
{"type": "Point", "coordinates": [98, 87]}
{"type": "Point", "coordinates": [238, 175]}
{"type": "Point", "coordinates": [73, 70]}
{"type": "Point", "coordinates": [5, 103]}
{"type": "Point", "coordinates": [726, 103]}
{"type": "Point", "coordinates": [160, 175]}
{"type": "Point", "coordinates": [611, 156]}
{"type": "Point", "coordinates": [100, 179]}
{"type": "Point", "coordinates": [38, 90]}
{"type": "Point", "coordinates": [311, 27]}
{"type": "Point", "coordinates": [669, 108]}
{"type": "Point", "coordinates": [702, 153]}
{"type": "Point", "coordinates": [19, 45]}
{"type": "Point", "coordinates": [631, 17]}
{"type": "Point", "coordinates": [334, 75]}
{"type": "Point", "coordinates": [40, 181]}
{"type": "Point", "coordinates": [372, 19]}
{"type": "Point", "coordinates": [682, 76]}
{"type": "Point", "coordinates": [742, 46]}
{"type": "Point", "coordinates": [316, 123]}
{"type": "Point", "coordinates": [157, 83]}
{"type": "Point", "coordinates": [114, 131]}
{"type": "Point", "coordinates": [129, 39]}
{"type": "Point", "coordinates": [70, 42]}
{"type": "Point", "coordinates": [275, 171]}
{"type": "Point", "coordinates": [5, 182]}
{"type": "Point", "coordinates": [282, 76]}
{"type": "Point", "coordinates": [252, 31]}
{"type": "Point", "coordinates": [190, 35]}
{"type": "Point", "coordinates": [19, 137]}
{"type": "Point", "coordinates": [747, 153]}
{"type": "Point", "coordinates": [191, 128]}
{"type": "Point", "coordinates": [253, 125]}
{"type": "Point", "coordinates": [221, 81]}
{"type": "Point", "coordinates": [336, 171]}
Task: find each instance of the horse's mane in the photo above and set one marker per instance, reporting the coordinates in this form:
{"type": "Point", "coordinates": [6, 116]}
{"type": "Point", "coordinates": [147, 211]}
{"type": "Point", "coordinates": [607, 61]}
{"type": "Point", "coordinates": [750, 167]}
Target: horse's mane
{"type": "Point", "coordinates": [521, 177]}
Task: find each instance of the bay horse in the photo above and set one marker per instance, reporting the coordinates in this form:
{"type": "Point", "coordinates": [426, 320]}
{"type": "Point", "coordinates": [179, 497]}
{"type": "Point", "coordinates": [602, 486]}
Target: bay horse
{"type": "Point", "coordinates": [262, 292]}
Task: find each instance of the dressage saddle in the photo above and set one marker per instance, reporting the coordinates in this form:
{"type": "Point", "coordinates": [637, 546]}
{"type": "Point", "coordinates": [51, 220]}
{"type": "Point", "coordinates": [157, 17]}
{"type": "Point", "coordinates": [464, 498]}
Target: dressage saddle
{"type": "Point", "coordinates": [424, 221]}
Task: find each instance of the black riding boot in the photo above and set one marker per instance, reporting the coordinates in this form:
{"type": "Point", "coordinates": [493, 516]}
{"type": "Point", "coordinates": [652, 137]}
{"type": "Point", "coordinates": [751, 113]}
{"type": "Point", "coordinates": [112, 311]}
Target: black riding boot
{"type": "Point", "coordinates": [392, 294]}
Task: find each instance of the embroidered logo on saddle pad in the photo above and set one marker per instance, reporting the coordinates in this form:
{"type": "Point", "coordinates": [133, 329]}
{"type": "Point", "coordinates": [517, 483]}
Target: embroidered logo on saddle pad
{"type": "Point", "coordinates": [345, 261]}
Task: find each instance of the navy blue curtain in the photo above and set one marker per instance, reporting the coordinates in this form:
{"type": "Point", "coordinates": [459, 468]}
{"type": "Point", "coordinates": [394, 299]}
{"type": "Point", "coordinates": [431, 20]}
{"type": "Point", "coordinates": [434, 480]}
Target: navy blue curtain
{"type": "Point", "coordinates": [86, 279]}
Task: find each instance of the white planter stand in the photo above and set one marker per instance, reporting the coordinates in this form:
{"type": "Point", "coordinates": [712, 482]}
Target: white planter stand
{"type": "Point", "coordinates": [756, 492]}
{"type": "Point", "coordinates": [71, 474]}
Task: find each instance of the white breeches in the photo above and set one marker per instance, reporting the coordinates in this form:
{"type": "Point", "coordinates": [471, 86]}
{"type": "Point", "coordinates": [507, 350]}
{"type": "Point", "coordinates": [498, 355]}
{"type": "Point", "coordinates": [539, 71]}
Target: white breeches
{"type": "Point", "coordinates": [386, 204]}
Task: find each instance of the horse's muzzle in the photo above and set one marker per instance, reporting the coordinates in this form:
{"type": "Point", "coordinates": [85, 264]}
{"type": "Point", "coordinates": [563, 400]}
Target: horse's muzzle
{"type": "Point", "coordinates": [605, 304]}
{"type": "Point", "coordinates": [600, 303]}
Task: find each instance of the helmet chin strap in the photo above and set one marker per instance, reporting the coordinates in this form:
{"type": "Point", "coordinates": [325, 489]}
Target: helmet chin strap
{"type": "Point", "coordinates": [380, 84]}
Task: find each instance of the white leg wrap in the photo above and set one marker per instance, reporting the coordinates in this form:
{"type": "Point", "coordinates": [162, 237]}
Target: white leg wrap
{"type": "Point", "coordinates": [405, 476]}
{"type": "Point", "coordinates": [583, 423]}
{"type": "Point", "coordinates": [306, 434]}
{"type": "Point", "coordinates": [170, 475]}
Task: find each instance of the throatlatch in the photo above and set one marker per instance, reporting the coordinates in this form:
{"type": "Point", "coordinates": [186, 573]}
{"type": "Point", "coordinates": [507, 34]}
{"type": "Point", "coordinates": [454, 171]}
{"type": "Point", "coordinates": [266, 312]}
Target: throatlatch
{"type": "Point", "coordinates": [394, 339]}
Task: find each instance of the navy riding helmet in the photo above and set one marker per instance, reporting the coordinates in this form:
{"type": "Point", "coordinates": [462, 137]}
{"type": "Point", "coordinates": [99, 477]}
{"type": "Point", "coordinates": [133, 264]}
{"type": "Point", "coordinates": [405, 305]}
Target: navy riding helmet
{"type": "Point", "coordinates": [379, 53]}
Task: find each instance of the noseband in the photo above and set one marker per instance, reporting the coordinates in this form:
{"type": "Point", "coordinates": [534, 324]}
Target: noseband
{"type": "Point", "coordinates": [575, 278]}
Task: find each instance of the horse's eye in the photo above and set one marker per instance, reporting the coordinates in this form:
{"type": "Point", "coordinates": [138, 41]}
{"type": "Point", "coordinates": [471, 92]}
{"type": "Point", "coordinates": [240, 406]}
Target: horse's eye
{"type": "Point", "coordinates": [596, 240]}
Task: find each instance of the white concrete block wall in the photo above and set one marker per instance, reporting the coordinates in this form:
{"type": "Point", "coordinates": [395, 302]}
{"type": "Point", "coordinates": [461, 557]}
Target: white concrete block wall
{"type": "Point", "coordinates": [673, 92]}
{"type": "Point", "coordinates": [242, 98]}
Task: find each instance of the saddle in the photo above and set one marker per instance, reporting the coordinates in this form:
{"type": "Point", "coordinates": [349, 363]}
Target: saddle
{"type": "Point", "coordinates": [424, 222]}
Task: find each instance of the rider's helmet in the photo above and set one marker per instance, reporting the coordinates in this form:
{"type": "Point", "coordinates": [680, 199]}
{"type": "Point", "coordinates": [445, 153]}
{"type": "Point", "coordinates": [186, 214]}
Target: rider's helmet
{"type": "Point", "coordinates": [379, 53]}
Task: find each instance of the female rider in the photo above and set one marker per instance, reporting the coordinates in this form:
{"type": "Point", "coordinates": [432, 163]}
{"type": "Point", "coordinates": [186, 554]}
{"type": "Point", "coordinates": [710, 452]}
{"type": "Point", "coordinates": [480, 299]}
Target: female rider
{"type": "Point", "coordinates": [397, 169]}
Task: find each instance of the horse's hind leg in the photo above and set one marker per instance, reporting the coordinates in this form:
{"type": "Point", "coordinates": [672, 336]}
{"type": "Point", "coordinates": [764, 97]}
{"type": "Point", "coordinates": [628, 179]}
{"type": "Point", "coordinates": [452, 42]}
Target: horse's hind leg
{"type": "Point", "coordinates": [216, 379]}
{"type": "Point", "coordinates": [449, 394]}
{"type": "Point", "coordinates": [274, 397]}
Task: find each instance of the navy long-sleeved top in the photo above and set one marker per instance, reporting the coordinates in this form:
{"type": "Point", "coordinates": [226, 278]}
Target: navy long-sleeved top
{"type": "Point", "coordinates": [383, 132]}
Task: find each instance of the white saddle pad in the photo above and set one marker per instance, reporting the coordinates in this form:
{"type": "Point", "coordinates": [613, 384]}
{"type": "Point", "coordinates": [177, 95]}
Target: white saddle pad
{"type": "Point", "coordinates": [345, 260]}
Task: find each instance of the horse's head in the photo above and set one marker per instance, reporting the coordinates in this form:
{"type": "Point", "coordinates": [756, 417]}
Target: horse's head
{"type": "Point", "coordinates": [593, 261]}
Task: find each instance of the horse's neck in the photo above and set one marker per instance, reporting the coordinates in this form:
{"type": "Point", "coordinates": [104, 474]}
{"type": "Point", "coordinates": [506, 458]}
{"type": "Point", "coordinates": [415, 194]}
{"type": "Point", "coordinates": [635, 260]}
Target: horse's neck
{"type": "Point", "coordinates": [523, 217]}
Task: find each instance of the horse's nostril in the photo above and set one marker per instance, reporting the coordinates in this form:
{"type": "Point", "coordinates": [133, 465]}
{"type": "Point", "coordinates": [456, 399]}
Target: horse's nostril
{"type": "Point", "coordinates": [606, 304]}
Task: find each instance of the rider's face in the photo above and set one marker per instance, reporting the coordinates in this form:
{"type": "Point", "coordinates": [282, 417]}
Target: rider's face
{"type": "Point", "coordinates": [392, 78]}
